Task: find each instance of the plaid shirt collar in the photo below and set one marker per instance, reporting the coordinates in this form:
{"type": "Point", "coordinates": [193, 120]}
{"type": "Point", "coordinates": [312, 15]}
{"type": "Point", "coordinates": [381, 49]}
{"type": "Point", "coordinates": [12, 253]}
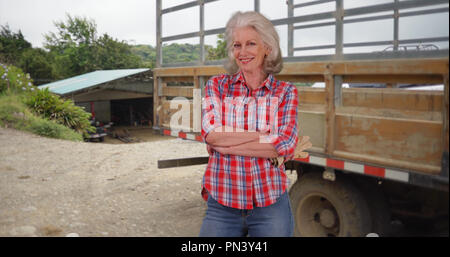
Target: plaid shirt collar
{"type": "Point", "coordinates": [239, 77]}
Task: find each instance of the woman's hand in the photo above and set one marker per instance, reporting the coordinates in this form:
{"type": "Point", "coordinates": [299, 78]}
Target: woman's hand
{"type": "Point", "coordinates": [209, 149]}
{"type": "Point", "coordinates": [221, 149]}
{"type": "Point", "coordinates": [302, 146]}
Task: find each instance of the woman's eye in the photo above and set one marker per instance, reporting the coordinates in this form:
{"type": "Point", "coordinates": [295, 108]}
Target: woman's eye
{"type": "Point", "coordinates": [236, 45]}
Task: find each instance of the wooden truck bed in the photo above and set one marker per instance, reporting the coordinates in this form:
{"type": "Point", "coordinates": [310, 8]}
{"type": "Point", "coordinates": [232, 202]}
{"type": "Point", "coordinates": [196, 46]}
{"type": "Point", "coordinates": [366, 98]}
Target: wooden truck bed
{"type": "Point", "coordinates": [386, 127]}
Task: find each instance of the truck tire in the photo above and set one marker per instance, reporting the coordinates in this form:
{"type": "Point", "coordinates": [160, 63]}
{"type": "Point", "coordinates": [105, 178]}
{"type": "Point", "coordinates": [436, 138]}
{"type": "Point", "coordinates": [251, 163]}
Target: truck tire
{"type": "Point", "coordinates": [324, 208]}
{"type": "Point", "coordinates": [379, 209]}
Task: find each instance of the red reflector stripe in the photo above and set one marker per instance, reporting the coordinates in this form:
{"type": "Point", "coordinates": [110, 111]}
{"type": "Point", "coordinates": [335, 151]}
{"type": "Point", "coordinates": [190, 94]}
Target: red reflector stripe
{"type": "Point", "coordinates": [199, 138]}
{"type": "Point", "coordinates": [182, 135]}
{"type": "Point", "coordinates": [374, 171]}
{"type": "Point", "coordinates": [335, 164]}
{"type": "Point", "coordinates": [167, 132]}
{"type": "Point", "coordinates": [302, 159]}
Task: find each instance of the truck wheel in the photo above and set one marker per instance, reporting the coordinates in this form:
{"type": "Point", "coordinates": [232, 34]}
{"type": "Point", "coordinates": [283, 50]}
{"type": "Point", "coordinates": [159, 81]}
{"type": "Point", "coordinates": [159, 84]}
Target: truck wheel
{"type": "Point", "coordinates": [324, 208]}
{"type": "Point", "coordinates": [379, 209]}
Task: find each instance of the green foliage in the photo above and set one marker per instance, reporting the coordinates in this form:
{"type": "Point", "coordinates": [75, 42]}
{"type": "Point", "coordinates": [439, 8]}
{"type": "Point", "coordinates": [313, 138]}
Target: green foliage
{"type": "Point", "coordinates": [36, 62]}
{"type": "Point", "coordinates": [11, 45]}
{"type": "Point", "coordinates": [220, 52]}
{"type": "Point", "coordinates": [15, 50]}
{"type": "Point", "coordinates": [76, 31]}
{"type": "Point", "coordinates": [176, 53]}
{"type": "Point", "coordinates": [20, 97]}
{"type": "Point", "coordinates": [76, 49]}
{"type": "Point", "coordinates": [51, 129]}
{"type": "Point", "coordinates": [64, 112]}
{"type": "Point", "coordinates": [147, 54]}
{"type": "Point", "coordinates": [13, 80]}
{"type": "Point", "coordinates": [113, 54]}
{"type": "Point", "coordinates": [14, 113]}
{"type": "Point", "coordinates": [303, 84]}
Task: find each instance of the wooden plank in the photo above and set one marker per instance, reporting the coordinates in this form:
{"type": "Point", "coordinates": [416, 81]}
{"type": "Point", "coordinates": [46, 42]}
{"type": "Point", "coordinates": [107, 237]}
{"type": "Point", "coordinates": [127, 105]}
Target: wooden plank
{"type": "Point", "coordinates": [163, 164]}
{"type": "Point", "coordinates": [178, 79]}
{"type": "Point", "coordinates": [393, 67]}
{"type": "Point", "coordinates": [311, 95]}
{"type": "Point", "coordinates": [371, 67]}
{"type": "Point", "coordinates": [390, 113]}
{"type": "Point", "coordinates": [156, 101]}
{"type": "Point", "coordinates": [313, 125]}
{"type": "Point", "coordinates": [178, 91]}
{"type": "Point", "coordinates": [417, 142]}
{"type": "Point", "coordinates": [189, 71]}
{"type": "Point", "coordinates": [394, 79]}
{"type": "Point", "coordinates": [393, 98]}
{"type": "Point", "coordinates": [445, 113]}
{"type": "Point", "coordinates": [302, 78]}
{"type": "Point", "coordinates": [167, 113]}
{"type": "Point", "coordinates": [330, 114]}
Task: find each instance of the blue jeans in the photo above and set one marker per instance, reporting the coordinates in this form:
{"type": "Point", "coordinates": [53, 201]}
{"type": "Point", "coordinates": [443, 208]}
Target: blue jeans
{"type": "Point", "coordinates": [275, 220]}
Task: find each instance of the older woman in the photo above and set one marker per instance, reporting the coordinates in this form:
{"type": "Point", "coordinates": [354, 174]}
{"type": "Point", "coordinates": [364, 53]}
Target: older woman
{"type": "Point", "coordinates": [249, 120]}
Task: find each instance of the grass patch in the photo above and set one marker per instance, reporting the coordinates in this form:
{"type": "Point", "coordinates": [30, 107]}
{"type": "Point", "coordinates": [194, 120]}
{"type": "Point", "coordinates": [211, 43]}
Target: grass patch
{"type": "Point", "coordinates": [14, 113]}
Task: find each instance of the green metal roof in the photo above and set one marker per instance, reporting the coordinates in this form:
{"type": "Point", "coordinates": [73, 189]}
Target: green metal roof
{"type": "Point", "coordinates": [88, 80]}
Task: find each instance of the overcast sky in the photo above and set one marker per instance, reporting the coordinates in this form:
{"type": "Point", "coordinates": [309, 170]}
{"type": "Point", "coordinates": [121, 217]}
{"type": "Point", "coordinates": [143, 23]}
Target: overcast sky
{"type": "Point", "coordinates": [134, 20]}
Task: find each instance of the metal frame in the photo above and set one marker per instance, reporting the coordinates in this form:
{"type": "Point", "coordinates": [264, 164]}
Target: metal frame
{"type": "Point", "coordinates": [341, 16]}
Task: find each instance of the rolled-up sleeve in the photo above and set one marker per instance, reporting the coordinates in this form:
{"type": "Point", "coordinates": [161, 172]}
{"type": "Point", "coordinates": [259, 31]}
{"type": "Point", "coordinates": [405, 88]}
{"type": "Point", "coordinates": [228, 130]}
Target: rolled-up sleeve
{"type": "Point", "coordinates": [211, 108]}
{"type": "Point", "coordinates": [285, 138]}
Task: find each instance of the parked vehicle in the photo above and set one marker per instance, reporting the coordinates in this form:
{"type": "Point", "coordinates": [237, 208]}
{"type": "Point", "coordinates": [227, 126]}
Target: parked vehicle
{"type": "Point", "coordinates": [379, 155]}
{"type": "Point", "coordinates": [100, 131]}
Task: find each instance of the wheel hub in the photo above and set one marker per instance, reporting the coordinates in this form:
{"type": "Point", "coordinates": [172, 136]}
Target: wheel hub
{"type": "Point", "coordinates": [327, 218]}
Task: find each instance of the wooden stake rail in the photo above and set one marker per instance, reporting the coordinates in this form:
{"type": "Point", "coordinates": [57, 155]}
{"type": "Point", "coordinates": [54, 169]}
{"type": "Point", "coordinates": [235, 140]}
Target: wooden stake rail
{"type": "Point", "coordinates": [388, 127]}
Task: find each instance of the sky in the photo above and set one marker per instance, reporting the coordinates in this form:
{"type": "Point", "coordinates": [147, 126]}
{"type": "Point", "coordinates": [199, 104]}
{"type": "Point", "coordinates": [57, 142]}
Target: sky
{"type": "Point", "coordinates": [134, 20]}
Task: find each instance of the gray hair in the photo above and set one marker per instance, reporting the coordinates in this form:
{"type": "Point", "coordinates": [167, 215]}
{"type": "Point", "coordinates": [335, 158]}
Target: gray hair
{"type": "Point", "coordinates": [273, 63]}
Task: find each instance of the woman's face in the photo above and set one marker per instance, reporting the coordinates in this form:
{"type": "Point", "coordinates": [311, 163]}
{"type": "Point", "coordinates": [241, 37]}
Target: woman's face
{"type": "Point", "coordinates": [248, 49]}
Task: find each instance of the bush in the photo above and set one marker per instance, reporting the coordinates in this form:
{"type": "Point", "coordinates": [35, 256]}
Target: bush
{"type": "Point", "coordinates": [14, 113]}
{"type": "Point", "coordinates": [64, 112]}
{"type": "Point", "coordinates": [51, 129]}
{"type": "Point", "coordinates": [20, 97]}
{"type": "Point", "coordinates": [13, 80]}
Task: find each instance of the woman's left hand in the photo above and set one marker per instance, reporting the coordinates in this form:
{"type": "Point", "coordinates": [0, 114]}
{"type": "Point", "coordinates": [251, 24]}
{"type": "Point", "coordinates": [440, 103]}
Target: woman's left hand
{"type": "Point", "coordinates": [302, 146]}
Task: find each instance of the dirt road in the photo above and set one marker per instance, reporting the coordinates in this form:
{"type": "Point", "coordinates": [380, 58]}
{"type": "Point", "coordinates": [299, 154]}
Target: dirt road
{"type": "Point", "coordinates": [51, 187]}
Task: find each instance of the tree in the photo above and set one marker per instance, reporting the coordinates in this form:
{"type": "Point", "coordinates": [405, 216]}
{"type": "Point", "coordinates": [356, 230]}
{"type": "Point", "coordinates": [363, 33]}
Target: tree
{"type": "Point", "coordinates": [114, 54]}
{"type": "Point", "coordinates": [36, 62]}
{"type": "Point", "coordinates": [75, 32]}
{"type": "Point", "coordinates": [76, 49]}
{"type": "Point", "coordinates": [220, 52]}
{"type": "Point", "coordinates": [71, 47]}
{"type": "Point", "coordinates": [11, 45]}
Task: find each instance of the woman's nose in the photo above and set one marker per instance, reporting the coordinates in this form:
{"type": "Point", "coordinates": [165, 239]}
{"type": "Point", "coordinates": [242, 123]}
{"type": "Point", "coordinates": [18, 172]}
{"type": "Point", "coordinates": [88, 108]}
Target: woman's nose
{"type": "Point", "coordinates": [244, 49]}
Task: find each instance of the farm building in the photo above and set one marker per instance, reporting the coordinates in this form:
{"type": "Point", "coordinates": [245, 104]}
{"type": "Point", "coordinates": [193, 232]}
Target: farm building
{"type": "Point", "coordinates": [123, 96]}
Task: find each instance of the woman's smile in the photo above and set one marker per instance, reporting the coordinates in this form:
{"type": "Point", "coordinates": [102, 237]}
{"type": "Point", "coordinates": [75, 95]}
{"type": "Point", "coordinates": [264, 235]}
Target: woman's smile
{"type": "Point", "coordinates": [248, 49]}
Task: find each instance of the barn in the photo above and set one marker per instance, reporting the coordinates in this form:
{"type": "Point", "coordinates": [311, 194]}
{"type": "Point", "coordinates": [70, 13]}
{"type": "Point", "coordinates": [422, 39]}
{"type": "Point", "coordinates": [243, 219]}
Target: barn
{"type": "Point", "coordinates": [123, 96]}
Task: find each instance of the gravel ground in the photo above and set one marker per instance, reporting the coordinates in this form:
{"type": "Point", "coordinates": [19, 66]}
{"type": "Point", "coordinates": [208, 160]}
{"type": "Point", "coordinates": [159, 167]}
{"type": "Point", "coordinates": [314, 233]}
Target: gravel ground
{"type": "Point", "coordinates": [51, 187]}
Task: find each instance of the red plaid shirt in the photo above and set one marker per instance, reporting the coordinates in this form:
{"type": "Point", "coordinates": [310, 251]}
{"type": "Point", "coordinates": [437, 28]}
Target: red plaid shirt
{"type": "Point", "coordinates": [244, 182]}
